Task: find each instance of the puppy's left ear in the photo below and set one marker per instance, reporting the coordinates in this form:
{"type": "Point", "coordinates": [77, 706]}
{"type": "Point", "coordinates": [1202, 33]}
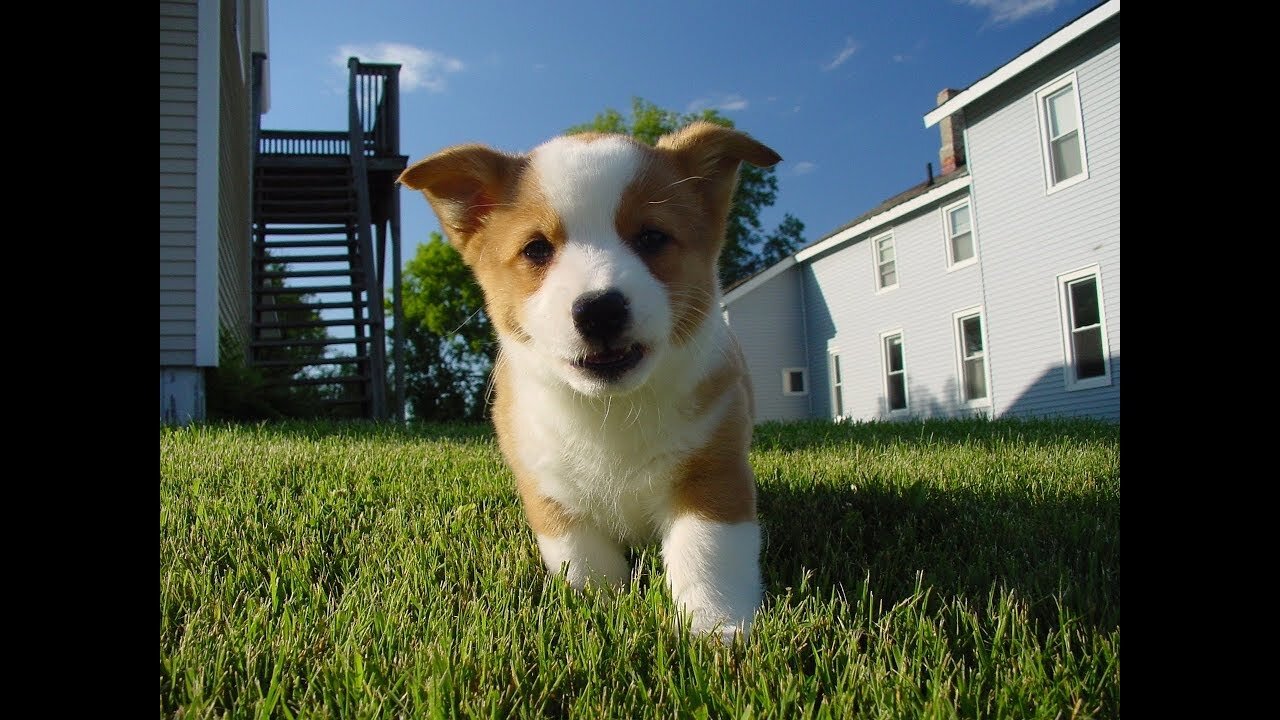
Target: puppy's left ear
{"type": "Point", "coordinates": [714, 153]}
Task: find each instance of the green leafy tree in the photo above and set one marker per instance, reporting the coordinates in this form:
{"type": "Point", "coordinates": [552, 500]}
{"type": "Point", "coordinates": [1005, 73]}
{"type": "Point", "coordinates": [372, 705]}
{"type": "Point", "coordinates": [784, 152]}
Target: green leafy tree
{"type": "Point", "coordinates": [449, 343]}
{"type": "Point", "coordinates": [747, 249]}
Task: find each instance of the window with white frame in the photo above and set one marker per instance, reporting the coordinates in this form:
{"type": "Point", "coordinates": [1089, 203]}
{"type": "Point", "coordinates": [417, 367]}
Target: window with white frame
{"type": "Point", "coordinates": [837, 393]}
{"type": "Point", "coordinates": [958, 223]}
{"type": "Point", "coordinates": [895, 371]}
{"type": "Point", "coordinates": [971, 351]}
{"type": "Point", "coordinates": [1084, 330]}
{"type": "Point", "coordinates": [1062, 132]}
{"type": "Point", "coordinates": [886, 262]}
{"type": "Point", "coordinates": [795, 381]}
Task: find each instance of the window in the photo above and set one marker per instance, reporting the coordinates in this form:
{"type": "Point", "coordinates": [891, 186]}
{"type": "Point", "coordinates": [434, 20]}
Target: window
{"type": "Point", "coordinates": [795, 381]}
{"type": "Point", "coordinates": [837, 396]}
{"type": "Point", "coordinates": [895, 371]}
{"type": "Point", "coordinates": [1062, 133]}
{"type": "Point", "coordinates": [1084, 338]}
{"type": "Point", "coordinates": [886, 263]}
{"type": "Point", "coordinates": [971, 350]}
{"type": "Point", "coordinates": [958, 224]}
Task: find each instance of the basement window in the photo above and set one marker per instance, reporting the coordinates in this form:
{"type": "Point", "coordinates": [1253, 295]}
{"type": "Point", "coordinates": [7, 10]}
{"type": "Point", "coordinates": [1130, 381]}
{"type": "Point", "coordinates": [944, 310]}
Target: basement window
{"type": "Point", "coordinates": [795, 381]}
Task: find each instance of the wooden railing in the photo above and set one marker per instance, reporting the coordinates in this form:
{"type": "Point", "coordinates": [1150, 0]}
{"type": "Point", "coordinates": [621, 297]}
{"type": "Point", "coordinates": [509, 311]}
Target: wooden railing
{"type": "Point", "coordinates": [373, 100]}
{"type": "Point", "coordinates": [375, 96]}
{"type": "Point", "coordinates": [303, 142]}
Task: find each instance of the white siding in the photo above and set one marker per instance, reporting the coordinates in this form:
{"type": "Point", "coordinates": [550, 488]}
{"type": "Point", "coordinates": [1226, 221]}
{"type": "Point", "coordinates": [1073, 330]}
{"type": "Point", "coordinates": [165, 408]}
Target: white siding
{"type": "Point", "coordinates": [177, 182]}
{"type": "Point", "coordinates": [769, 325]}
{"type": "Point", "coordinates": [847, 315]}
{"type": "Point", "coordinates": [1028, 236]}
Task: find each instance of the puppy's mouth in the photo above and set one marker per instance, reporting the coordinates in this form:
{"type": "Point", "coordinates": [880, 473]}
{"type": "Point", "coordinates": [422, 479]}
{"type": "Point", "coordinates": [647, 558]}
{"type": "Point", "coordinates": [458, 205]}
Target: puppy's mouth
{"type": "Point", "coordinates": [610, 365]}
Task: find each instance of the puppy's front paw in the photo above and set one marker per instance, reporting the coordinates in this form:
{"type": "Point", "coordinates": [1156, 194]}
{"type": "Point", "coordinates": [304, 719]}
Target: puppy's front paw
{"type": "Point", "coordinates": [584, 554]}
{"type": "Point", "coordinates": [723, 629]}
{"type": "Point", "coordinates": [714, 573]}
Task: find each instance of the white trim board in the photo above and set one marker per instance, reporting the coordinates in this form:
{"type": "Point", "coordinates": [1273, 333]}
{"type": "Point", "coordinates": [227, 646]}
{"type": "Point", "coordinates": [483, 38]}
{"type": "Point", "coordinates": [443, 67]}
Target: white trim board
{"type": "Point", "coordinates": [1023, 61]}
{"type": "Point", "coordinates": [873, 223]}
{"type": "Point", "coordinates": [208, 81]}
{"type": "Point", "coordinates": [758, 279]}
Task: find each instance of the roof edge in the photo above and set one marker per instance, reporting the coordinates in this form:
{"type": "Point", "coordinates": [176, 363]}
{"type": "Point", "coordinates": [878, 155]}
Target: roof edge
{"type": "Point", "coordinates": [757, 280]}
{"type": "Point", "coordinates": [889, 215]}
{"type": "Point", "coordinates": [1038, 52]}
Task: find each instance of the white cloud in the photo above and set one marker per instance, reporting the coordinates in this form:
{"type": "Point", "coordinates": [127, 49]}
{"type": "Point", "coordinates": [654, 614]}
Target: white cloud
{"type": "Point", "coordinates": [727, 103]}
{"type": "Point", "coordinates": [1009, 11]}
{"type": "Point", "coordinates": [804, 167]}
{"type": "Point", "coordinates": [850, 47]}
{"type": "Point", "coordinates": [899, 58]}
{"type": "Point", "coordinates": [419, 68]}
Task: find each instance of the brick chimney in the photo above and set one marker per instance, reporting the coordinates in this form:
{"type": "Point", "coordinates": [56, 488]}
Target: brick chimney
{"type": "Point", "coordinates": [951, 154]}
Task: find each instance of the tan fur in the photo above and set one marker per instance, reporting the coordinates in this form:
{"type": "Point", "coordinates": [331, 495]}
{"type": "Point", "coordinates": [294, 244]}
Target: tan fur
{"type": "Point", "coordinates": [545, 516]}
{"type": "Point", "coordinates": [715, 481]}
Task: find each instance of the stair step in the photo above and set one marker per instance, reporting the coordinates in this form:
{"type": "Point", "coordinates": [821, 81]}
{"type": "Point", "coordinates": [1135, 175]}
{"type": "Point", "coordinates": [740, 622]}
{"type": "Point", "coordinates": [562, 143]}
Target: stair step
{"type": "Point", "coordinates": [306, 343]}
{"type": "Point", "coordinates": [308, 290]}
{"type": "Point", "coordinates": [275, 183]}
{"type": "Point", "coordinates": [314, 230]}
{"type": "Point", "coordinates": [305, 216]}
{"type": "Point", "coordinates": [294, 307]}
{"type": "Point", "coordinates": [308, 273]}
{"type": "Point", "coordinates": [305, 258]}
{"type": "Point", "coordinates": [307, 202]}
{"type": "Point", "coordinates": [293, 173]}
{"type": "Point", "coordinates": [310, 362]}
{"type": "Point", "coordinates": [311, 324]}
{"type": "Point", "coordinates": [304, 244]}
{"type": "Point", "coordinates": [320, 381]}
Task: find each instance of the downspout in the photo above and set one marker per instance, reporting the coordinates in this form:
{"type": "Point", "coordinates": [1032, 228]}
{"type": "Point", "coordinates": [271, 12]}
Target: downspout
{"type": "Point", "coordinates": [804, 330]}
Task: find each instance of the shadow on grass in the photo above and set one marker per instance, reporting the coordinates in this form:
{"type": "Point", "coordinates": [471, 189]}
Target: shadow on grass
{"type": "Point", "coordinates": [964, 542]}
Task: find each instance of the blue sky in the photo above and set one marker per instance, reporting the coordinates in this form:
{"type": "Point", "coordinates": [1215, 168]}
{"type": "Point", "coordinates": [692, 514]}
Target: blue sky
{"type": "Point", "coordinates": [839, 89]}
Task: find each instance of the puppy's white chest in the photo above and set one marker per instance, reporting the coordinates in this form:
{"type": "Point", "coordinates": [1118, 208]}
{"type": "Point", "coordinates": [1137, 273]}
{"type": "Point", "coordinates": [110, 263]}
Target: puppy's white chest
{"type": "Point", "coordinates": [619, 471]}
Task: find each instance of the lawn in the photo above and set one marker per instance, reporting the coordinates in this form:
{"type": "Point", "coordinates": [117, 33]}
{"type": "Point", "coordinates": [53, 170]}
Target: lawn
{"type": "Point", "coordinates": [912, 570]}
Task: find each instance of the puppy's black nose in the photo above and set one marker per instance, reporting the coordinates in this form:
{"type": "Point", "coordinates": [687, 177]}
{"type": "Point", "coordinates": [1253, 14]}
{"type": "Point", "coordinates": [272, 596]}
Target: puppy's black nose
{"type": "Point", "coordinates": [601, 316]}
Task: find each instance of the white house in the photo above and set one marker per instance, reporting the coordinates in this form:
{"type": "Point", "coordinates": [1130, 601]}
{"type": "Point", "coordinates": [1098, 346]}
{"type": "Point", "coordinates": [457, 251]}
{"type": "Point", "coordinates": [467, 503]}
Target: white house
{"type": "Point", "coordinates": [992, 289]}
{"type": "Point", "coordinates": [207, 50]}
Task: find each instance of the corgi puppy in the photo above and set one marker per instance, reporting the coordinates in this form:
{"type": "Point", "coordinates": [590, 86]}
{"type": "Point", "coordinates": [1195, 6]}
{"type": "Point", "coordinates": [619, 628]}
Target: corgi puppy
{"type": "Point", "coordinates": [622, 402]}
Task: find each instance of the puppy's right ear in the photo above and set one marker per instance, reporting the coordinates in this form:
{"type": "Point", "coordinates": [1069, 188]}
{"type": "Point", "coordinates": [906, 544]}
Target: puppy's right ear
{"type": "Point", "coordinates": [464, 184]}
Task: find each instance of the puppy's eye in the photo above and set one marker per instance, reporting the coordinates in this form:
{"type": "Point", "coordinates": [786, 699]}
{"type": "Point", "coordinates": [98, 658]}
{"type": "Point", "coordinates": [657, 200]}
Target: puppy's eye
{"type": "Point", "coordinates": [538, 250]}
{"type": "Point", "coordinates": [650, 240]}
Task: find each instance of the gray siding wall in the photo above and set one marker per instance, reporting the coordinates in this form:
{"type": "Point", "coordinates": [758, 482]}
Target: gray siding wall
{"type": "Point", "coordinates": [177, 182]}
{"type": "Point", "coordinates": [845, 314]}
{"type": "Point", "coordinates": [1028, 237]}
{"type": "Point", "coordinates": [769, 325]}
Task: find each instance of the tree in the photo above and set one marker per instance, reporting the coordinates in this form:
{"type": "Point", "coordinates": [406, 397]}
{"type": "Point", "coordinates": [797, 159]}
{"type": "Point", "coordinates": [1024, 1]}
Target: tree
{"type": "Point", "coordinates": [746, 249]}
{"type": "Point", "coordinates": [449, 343]}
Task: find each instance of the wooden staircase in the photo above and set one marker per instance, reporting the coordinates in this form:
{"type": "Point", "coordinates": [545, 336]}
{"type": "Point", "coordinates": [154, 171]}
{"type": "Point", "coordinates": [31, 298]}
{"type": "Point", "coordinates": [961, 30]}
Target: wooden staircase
{"type": "Point", "coordinates": [317, 277]}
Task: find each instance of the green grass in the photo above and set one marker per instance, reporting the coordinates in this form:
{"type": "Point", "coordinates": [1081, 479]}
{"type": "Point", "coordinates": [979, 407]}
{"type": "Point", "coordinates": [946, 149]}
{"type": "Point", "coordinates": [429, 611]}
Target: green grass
{"type": "Point", "coordinates": [919, 570]}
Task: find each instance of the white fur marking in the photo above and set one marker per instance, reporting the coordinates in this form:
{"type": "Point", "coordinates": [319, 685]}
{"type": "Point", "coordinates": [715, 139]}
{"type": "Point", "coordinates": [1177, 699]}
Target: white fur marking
{"type": "Point", "coordinates": [714, 572]}
{"type": "Point", "coordinates": [583, 183]}
{"type": "Point", "coordinates": [590, 554]}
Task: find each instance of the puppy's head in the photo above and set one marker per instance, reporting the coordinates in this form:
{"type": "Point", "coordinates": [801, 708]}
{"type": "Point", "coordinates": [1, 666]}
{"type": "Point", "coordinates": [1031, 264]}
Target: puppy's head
{"type": "Point", "coordinates": [595, 252]}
